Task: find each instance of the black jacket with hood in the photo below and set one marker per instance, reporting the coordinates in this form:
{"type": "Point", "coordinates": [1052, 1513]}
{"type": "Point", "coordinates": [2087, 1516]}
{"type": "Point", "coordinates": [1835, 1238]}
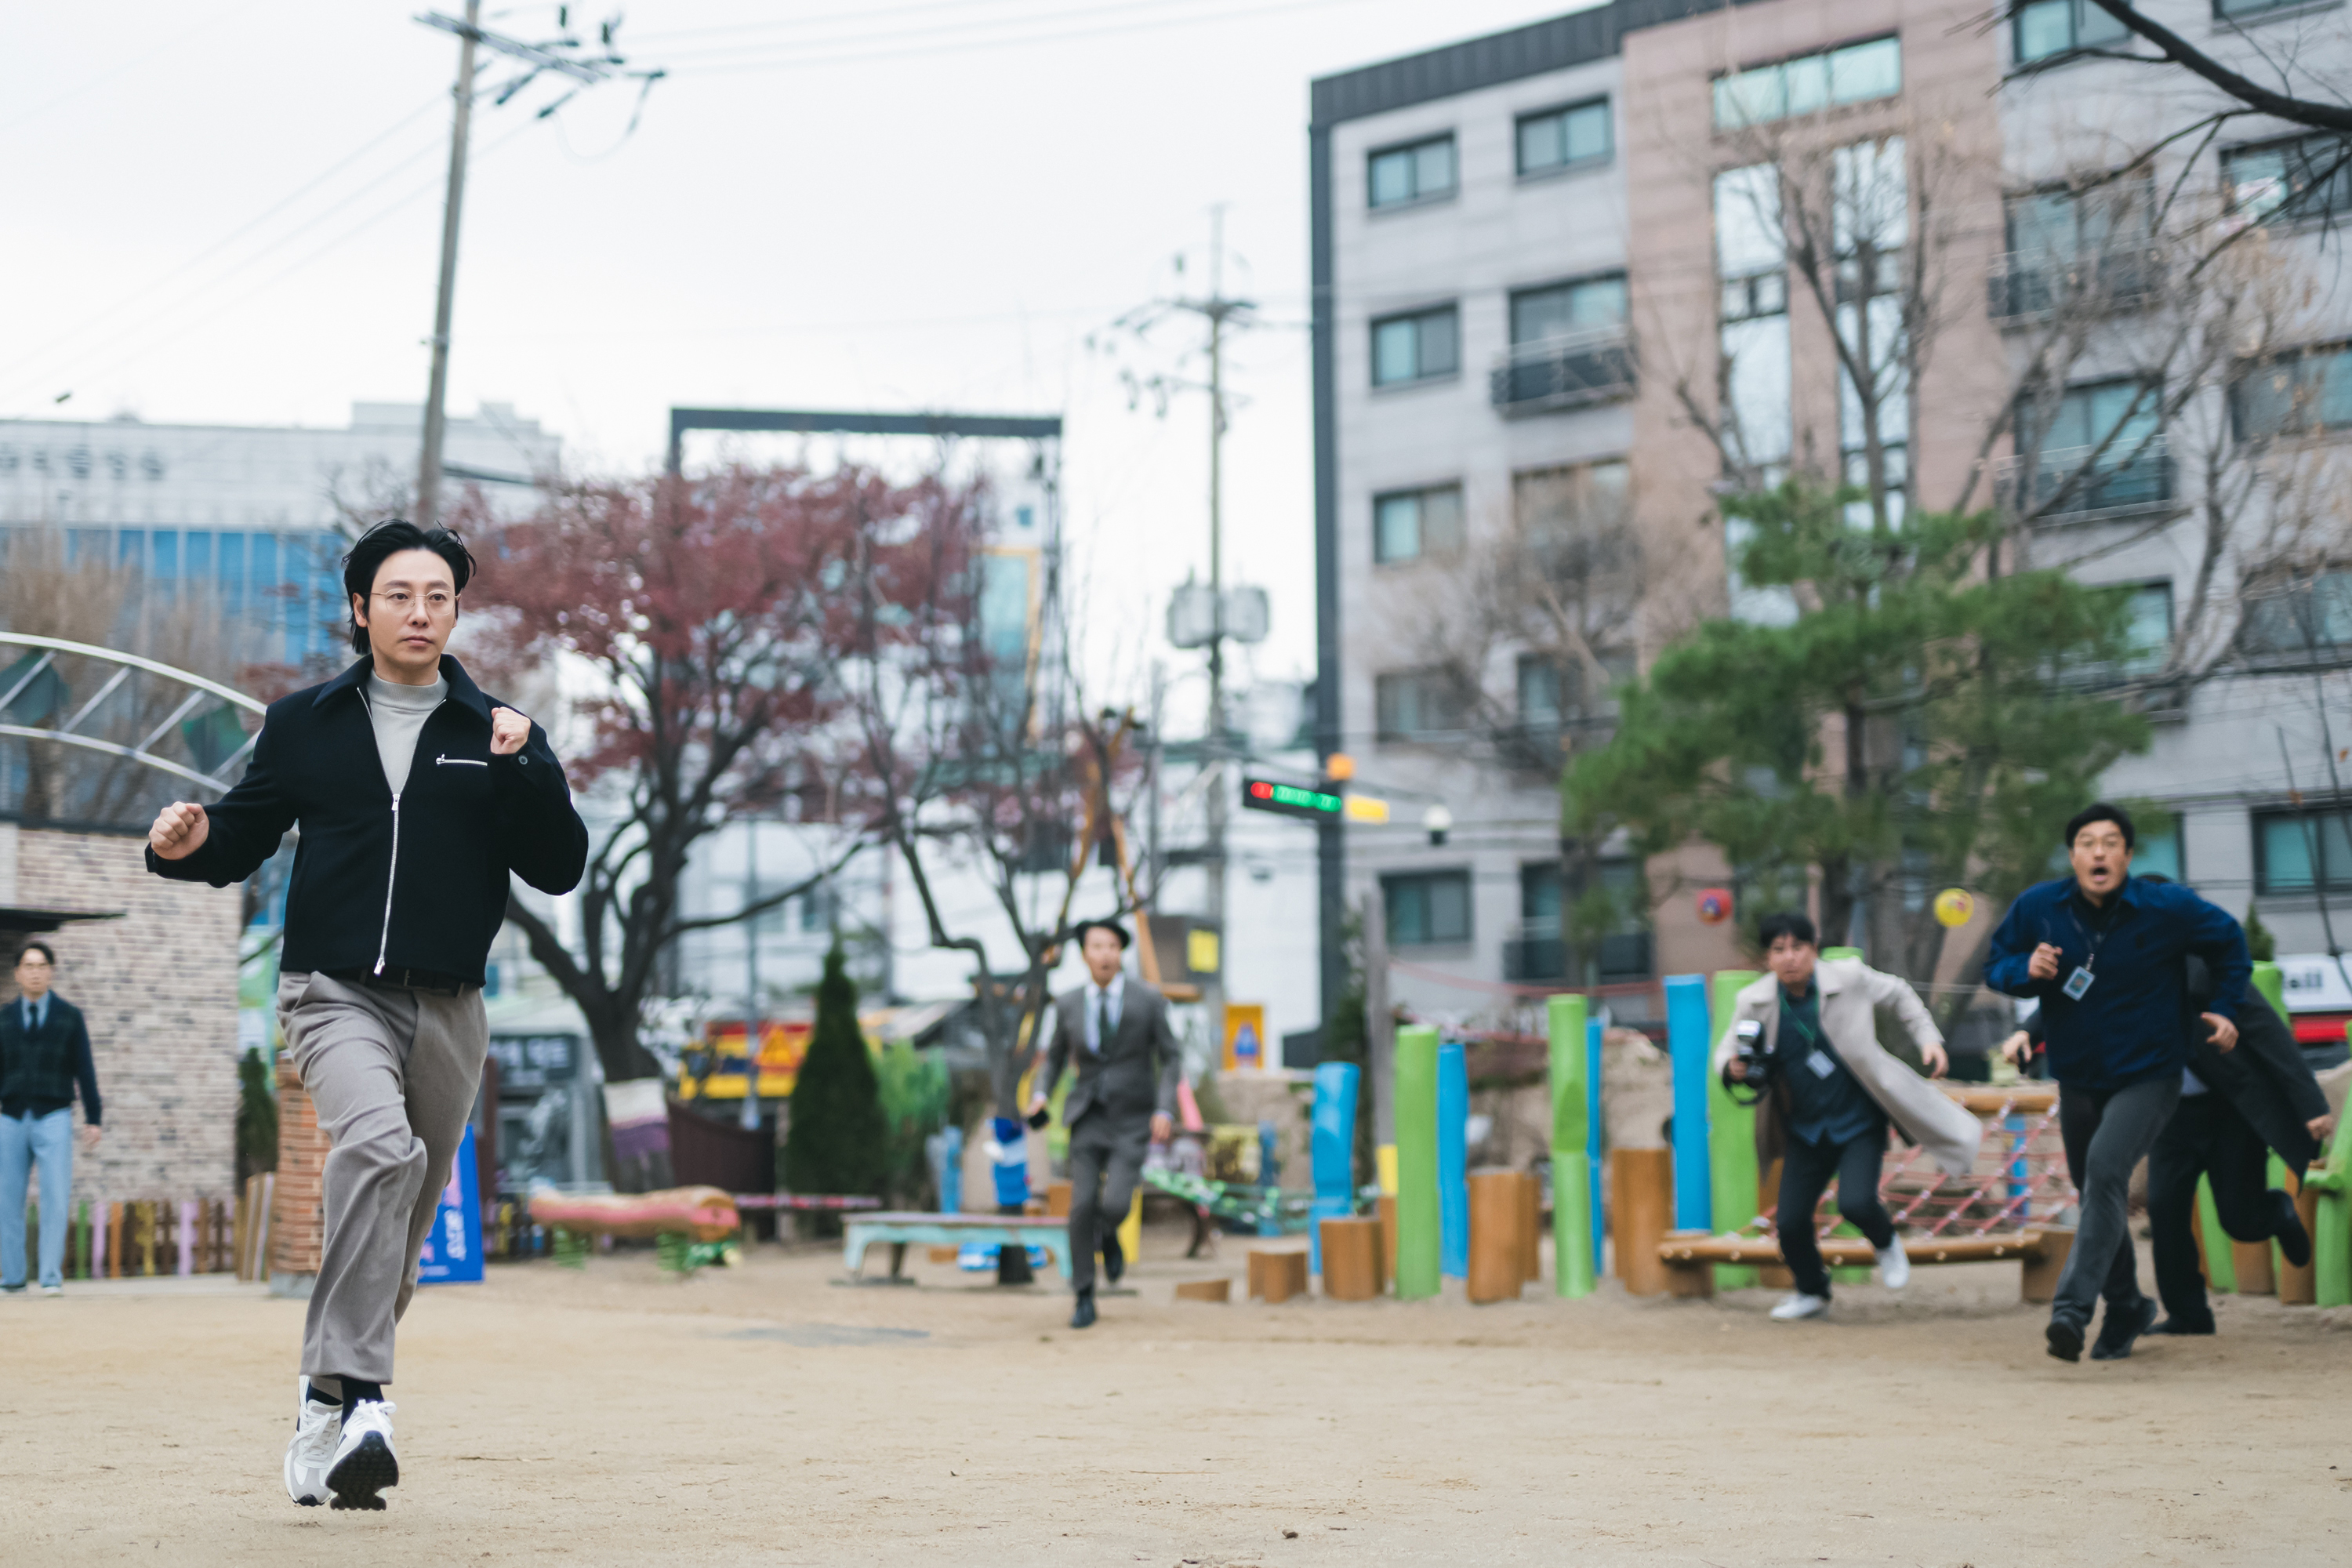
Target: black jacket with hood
{"type": "Point", "coordinates": [385, 883]}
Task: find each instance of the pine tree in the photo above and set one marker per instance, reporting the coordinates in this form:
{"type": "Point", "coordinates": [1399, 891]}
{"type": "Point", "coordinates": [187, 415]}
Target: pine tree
{"type": "Point", "coordinates": [256, 1118]}
{"type": "Point", "coordinates": [2259, 943]}
{"type": "Point", "coordinates": [838, 1144]}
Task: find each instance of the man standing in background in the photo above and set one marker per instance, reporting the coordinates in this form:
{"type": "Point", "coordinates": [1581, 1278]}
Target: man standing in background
{"type": "Point", "coordinates": [44, 1054]}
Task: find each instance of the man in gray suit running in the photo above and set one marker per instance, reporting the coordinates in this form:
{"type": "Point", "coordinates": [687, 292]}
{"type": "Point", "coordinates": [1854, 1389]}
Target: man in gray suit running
{"type": "Point", "coordinates": [1128, 1066]}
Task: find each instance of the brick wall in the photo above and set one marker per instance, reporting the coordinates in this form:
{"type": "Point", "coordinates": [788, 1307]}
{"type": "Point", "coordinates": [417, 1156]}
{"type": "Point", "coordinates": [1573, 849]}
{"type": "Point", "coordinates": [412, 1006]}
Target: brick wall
{"type": "Point", "coordinates": [159, 989]}
{"type": "Point", "coordinates": [297, 1217]}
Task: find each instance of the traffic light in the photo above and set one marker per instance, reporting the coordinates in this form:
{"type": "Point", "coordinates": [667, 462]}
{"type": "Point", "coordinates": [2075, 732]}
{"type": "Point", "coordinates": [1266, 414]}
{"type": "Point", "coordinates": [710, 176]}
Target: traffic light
{"type": "Point", "coordinates": [1291, 800]}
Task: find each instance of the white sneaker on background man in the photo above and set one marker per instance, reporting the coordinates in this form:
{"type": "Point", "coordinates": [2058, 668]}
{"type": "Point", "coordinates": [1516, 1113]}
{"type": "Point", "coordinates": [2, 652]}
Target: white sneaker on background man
{"type": "Point", "coordinates": [1894, 1266]}
{"type": "Point", "coordinates": [1799, 1305]}
{"type": "Point", "coordinates": [317, 1429]}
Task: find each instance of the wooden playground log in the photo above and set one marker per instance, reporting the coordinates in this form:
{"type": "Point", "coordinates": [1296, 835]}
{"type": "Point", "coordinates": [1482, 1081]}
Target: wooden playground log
{"type": "Point", "coordinates": [1388, 1218]}
{"type": "Point", "coordinates": [1497, 1269]}
{"type": "Point", "coordinates": [1532, 1228]}
{"type": "Point", "coordinates": [1848, 1251]}
{"type": "Point", "coordinates": [2254, 1271]}
{"type": "Point", "coordinates": [2299, 1287]}
{"type": "Point", "coordinates": [1351, 1257]}
{"type": "Point", "coordinates": [1686, 1276]}
{"type": "Point", "coordinates": [1276, 1274]}
{"type": "Point", "coordinates": [1989, 1100]}
{"type": "Point", "coordinates": [1220, 1291]}
{"type": "Point", "coordinates": [1057, 1198]}
{"type": "Point", "coordinates": [1640, 1211]}
{"type": "Point", "coordinates": [2044, 1264]}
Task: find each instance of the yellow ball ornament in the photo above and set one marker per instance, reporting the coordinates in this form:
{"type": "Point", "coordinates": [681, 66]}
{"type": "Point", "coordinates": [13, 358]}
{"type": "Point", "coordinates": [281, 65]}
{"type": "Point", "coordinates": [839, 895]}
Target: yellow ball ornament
{"type": "Point", "coordinates": [1954, 906]}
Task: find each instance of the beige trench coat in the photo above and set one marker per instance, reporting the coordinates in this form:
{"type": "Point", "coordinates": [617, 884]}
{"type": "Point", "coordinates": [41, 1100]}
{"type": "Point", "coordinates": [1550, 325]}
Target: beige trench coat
{"type": "Point", "coordinates": [1851, 992]}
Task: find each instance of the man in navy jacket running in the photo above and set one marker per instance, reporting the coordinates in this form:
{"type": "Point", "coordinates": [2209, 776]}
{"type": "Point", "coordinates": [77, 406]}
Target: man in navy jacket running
{"type": "Point", "coordinates": [2102, 952]}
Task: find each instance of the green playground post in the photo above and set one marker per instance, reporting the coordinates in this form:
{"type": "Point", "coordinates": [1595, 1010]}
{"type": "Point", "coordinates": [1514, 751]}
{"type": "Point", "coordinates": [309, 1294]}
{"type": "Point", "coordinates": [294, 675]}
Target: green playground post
{"type": "Point", "coordinates": [2221, 1263]}
{"type": "Point", "coordinates": [1571, 1176]}
{"type": "Point", "coordinates": [2271, 981]}
{"type": "Point", "coordinates": [1731, 1140]}
{"type": "Point", "coordinates": [1418, 1241]}
{"type": "Point", "coordinates": [2331, 1241]}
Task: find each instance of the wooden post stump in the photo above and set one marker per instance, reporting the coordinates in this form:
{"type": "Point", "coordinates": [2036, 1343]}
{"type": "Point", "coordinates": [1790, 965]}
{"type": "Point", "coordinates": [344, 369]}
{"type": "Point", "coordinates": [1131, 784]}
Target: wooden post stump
{"type": "Point", "coordinates": [1219, 1290]}
{"type": "Point", "coordinates": [1388, 1241]}
{"type": "Point", "coordinates": [1497, 1253]}
{"type": "Point", "coordinates": [1531, 1226]}
{"type": "Point", "coordinates": [2300, 1287]}
{"type": "Point", "coordinates": [1276, 1275]}
{"type": "Point", "coordinates": [1351, 1259]}
{"type": "Point", "coordinates": [1641, 1209]}
{"type": "Point", "coordinates": [2038, 1283]}
{"type": "Point", "coordinates": [2254, 1271]}
{"type": "Point", "coordinates": [1058, 1199]}
{"type": "Point", "coordinates": [1694, 1281]}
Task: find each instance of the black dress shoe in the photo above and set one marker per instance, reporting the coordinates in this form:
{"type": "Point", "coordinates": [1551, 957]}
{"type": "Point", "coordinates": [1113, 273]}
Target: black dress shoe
{"type": "Point", "coordinates": [1082, 1316]}
{"type": "Point", "coordinates": [2116, 1337]}
{"type": "Point", "coordinates": [2065, 1337]}
{"type": "Point", "coordinates": [2294, 1241]}
{"type": "Point", "coordinates": [2175, 1326]}
{"type": "Point", "coordinates": [1114, 1257]}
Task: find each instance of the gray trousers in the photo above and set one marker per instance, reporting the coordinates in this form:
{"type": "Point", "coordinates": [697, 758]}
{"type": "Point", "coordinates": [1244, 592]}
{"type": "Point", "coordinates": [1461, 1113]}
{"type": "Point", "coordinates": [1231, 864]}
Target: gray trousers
{"type": "Point", "coordinates": [1106, 1161]}
{"type": "Point", "coordinates": [2106, 1132]}
{"type": "Point", "coordinates": [393, 1074]}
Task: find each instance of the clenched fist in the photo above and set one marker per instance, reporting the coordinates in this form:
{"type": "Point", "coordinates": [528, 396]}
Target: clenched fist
{"type": "Point", "coordinates": [180, 830]}
{"type": "Point", "coordinates": [508, 731]}
{"type": "Point", "coordinates": [2044, 964]}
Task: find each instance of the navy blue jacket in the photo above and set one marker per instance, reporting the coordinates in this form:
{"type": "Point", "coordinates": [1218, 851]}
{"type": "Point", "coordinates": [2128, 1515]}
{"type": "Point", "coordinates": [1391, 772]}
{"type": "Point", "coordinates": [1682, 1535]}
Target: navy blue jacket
{"type": "Point", "coordinates": [416, 880]}
{"type": "Point", "coordinates": [2133, 1023]}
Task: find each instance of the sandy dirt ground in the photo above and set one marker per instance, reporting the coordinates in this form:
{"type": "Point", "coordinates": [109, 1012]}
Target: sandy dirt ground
{"type": "Point", "coordinates": [770, 1413]}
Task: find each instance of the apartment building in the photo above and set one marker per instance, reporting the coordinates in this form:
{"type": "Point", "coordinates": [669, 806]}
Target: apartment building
{"type": "Point", "coordinates": [1573, 279]}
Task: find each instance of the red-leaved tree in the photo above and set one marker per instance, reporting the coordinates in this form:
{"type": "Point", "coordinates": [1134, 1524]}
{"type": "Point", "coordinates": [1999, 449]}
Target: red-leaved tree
{"type": "Point", "coordinates": [710, 614]}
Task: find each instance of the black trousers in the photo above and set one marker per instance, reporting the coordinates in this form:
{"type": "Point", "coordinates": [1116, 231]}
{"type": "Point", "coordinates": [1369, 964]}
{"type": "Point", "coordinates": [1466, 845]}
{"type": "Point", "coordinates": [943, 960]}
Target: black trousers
{"type": "Point", "coordinates": [1106, 1161]}
{"type": "Point", "coordinates": [2106, 1132]}
{"type": "Point", "coordinates": [1805, 1171]}
{"type": "Point", "coordinates": [2205, 1137]}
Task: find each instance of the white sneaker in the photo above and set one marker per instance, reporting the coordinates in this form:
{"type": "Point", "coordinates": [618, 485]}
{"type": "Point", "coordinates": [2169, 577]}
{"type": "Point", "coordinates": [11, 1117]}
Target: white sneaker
{"type": "Point", "coordinates": [364, 1463]}
{"type": "Point", "coordinates": [313, 1448]}
{"type": "Point", "coordinates": [1799, 1305]}
{"type": "Point", "coordinates": [1894, 1266]}
{"type": "Point", "coordinates": [53, 1289]}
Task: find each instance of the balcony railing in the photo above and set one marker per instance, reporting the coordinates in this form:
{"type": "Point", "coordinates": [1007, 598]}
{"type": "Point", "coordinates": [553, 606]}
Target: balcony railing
{"type": "Point", "coordinates": [2134, 474]}
{"type": "Point", "coordinates": [1572, 372]}
{"type": "Point", "coordinates": [2026, 285]}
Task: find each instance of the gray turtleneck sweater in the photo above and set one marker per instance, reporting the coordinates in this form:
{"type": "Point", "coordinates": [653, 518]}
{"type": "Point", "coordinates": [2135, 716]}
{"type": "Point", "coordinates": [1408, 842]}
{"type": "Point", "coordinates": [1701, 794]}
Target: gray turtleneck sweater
{"type": "Point", "coordinates": [398, 713]}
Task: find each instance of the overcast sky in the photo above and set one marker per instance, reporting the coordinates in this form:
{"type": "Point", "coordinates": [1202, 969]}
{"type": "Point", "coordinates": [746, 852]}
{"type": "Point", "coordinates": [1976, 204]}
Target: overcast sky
{"type": "Point", "coordinates": [229, 214]}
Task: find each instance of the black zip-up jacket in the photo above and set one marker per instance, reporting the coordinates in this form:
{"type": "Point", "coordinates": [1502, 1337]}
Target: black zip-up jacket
{"type": "Point", "coordinates": [384, 882]}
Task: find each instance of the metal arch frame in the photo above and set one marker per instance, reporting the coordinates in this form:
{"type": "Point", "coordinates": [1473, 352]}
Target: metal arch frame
{"type": "Point", "coordinates": [125, 663]}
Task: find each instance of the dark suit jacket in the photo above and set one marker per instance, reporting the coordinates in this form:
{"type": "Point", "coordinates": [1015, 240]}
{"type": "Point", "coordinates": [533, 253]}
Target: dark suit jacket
{"type": "Point", "coordinates": [2265, 1080]}
{"type": "Point", "coordinates": [39, 1072]}
{"type": "Point", "coordinates": [1139, 1068]}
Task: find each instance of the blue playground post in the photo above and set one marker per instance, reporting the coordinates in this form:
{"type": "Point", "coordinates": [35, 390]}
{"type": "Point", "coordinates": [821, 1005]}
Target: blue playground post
{"type": "Point", "coordinates": [1452, 1159]}
{"type": "Point", "coordinates": [1332, 1151]}
{"type": "Point", "coordinates": [1595, 1137]}
{"type": "Point", "coordinates": [1269, 1176]}
{"type": "Point", "coordinates": [1688, 1045]}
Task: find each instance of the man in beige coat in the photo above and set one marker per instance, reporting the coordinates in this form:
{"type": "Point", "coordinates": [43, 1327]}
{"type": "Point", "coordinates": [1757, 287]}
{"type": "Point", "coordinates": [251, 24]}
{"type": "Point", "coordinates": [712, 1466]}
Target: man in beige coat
{"type": "Point", "coordinates": [1805, 1037]}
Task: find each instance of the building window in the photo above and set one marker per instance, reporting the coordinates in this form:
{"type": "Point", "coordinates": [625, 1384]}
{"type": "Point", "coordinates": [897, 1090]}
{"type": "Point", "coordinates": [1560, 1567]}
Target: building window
{"type": "Point", "coordinates": [1410, 524]}
{"type": "Point", "coordinates": [1579, 501]}
{"type": "Point", "coordinates": [2300, 852]}
{"type": "Point", "coordinates": [1415, 705]}
{"type": "Point", "coordinates": [2294, 394]}
{"type": "Point", "coordinates": [1566, 309]}
{"type": "Point", "coordinates": [1564, 138]}
{"type": "Point", "coordinates": [2065, 245]}
{"type": "Point", "coordinates": [2147, 634]}
{"type": "Point", "coordinates": [1568, 348]}
{"type": "Point", "coordinates": [2045, 29]}
{"type": "Point", "coordinates": [1427, 908]}
{"type": "Point", "coordinates": [2253, 7]}
{"type": "Point", "coordinates": [2306, 615]}
{"type": "Point", "coordinates": [818, 908]}
{"type": "Point", "coordinates": [1539, 692]}
{"type": "Point", "coordinates": [1857, 73]}
{"type": "Point", "coordinates": [2287, 181]}
{"type": "Point", "coordinates": [2156, 854]}
{"type": "Point", "coordinates": [1421, 171]}
{"type": "Point", "coordinates": [1422, 346]}
{"type": "Point", "coordinates": [2102, 448]}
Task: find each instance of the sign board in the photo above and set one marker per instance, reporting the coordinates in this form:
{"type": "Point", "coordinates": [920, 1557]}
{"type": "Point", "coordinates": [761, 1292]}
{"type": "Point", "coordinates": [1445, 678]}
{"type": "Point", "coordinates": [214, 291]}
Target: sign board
{"type": "Point", "coordinates": [2315, 983]}
{"type": "Point", "coordinates": [1290, 800]}
{"type": "Point", "coordinates": [781, 1047]}
{"type": "Point", "coordinates": [1201, 950]}
{"type": "Point", "coordinates": [1245, 1034]}
{"type": "Point", "coordinates": [453, 1247]}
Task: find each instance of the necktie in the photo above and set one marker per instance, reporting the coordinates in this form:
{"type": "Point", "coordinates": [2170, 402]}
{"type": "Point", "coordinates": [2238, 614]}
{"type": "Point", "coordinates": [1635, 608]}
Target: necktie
{"type": "Point", "coordinates": [1102, 1020]}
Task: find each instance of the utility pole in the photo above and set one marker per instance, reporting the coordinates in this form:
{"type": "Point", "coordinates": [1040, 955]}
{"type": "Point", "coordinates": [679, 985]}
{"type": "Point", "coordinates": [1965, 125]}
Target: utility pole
{"type": "Point", "coordinates": [752, 979]}
{"type": "Point", "coordinates": [428, 467]}
{"type": "Point", "coordinates": [537, 59]}
{"type": "Point", "coordinates": [1216, 307]}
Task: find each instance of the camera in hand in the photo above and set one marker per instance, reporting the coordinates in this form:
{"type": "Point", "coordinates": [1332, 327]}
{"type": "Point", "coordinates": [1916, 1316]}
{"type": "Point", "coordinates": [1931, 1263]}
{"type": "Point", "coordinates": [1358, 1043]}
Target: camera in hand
{"type": "Point", "coordinates": [1755, 1060]}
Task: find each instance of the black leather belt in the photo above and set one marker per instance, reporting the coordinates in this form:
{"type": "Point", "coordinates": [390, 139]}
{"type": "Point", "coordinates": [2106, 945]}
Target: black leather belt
{"type": "Point", "coordinates": [396, 977]}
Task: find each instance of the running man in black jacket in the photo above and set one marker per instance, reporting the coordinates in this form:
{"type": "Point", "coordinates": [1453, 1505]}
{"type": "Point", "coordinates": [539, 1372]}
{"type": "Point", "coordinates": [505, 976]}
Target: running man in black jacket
{"type": "Point", "coordinates": [418, 797]}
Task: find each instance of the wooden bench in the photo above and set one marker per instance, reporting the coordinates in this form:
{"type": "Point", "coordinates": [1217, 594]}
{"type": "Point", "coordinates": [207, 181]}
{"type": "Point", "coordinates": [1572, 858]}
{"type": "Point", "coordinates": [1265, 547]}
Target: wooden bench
{"type": "Point", "coordinates": [1690, 1258]}
{"type": "Point", "coordinates": [905, 1229]}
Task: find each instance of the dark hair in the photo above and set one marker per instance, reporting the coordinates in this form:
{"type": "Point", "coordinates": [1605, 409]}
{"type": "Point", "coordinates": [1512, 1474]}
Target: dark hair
{"type": "Point", "coordinates": [389, 538]}
{"type": "Point", "coordinates": [2100, 811]}
{"type": "Point", "coordinates": [1788, 923]}
{"type": "Point", "coordinates": [43, 948]}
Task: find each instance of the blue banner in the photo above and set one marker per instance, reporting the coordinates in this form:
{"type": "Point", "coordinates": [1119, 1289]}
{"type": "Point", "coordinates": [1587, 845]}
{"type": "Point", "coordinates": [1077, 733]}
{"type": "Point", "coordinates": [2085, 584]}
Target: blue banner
{"type": "Point", "coordinates": [453, 1247]}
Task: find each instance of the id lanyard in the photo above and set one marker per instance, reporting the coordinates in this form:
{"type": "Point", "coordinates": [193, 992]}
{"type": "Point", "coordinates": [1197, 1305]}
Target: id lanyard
{"type": "Point", "coordinates": [1815, 1057]}
{"type": "Point", "coordinates": [2080, 981]}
